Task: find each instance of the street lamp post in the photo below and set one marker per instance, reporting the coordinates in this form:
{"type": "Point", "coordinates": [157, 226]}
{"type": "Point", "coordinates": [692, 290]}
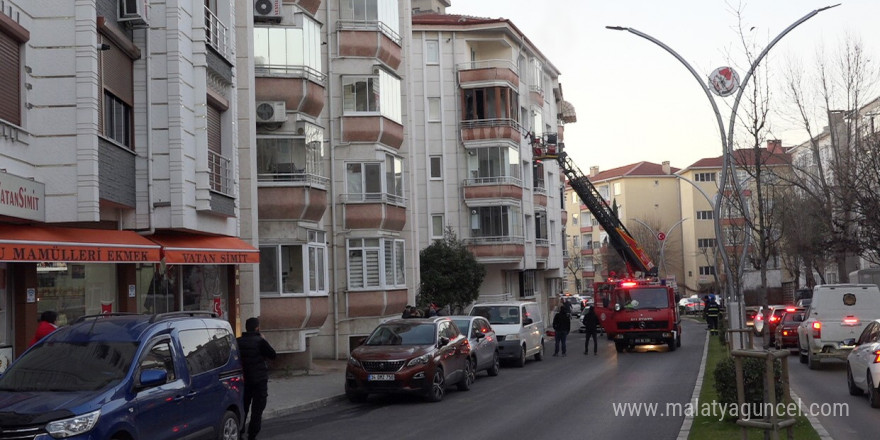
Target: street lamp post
{"type": "Point", "coordinates": [662, 242]}
{"type": "Point", "coordinates": [726, 138]}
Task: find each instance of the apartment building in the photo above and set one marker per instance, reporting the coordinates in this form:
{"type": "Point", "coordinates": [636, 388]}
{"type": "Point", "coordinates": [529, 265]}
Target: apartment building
{"type": "Point", "coordinates": [645, 197]}
{"type": "Point", "coordinates": [119, 161]}
{"type": "Point", "coordinates": [482, 96]}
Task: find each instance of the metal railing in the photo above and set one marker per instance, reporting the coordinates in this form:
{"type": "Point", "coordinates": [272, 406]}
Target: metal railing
{"type": "Point", "coordinates": [390, 199]}
{"type": "Point", "coordinates": [369, 25]}
{"type": "Point", "coordinates": [216, 33]}
{"type": "Point", "coordinates": [497, 180]}
{"type": "Point", "coordinates": [495, 122]}
{"type": "Point", "coordinates": [502, 239]}
{"type": "Point", "coordinates": [286, 71]}
{"type": "Point", "coordinates": [296, 177]}
{"type": "Point", "coordinates": [488, 64]}
{"type": "Point", "coordinates": [220, 173]}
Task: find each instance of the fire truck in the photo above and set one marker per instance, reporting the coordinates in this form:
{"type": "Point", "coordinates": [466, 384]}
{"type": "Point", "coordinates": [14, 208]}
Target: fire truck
{"type": "Point", "coordinates": [635, 309]}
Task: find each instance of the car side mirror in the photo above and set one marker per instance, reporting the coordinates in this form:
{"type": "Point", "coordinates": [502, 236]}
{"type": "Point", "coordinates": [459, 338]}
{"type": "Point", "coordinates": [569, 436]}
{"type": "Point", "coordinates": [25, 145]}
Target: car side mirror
{"type": "Point", "coordinates": [444, 341]}
{"type": "Point", "coordinates": [617, 307]}
{"type": "Point", "coordinates": [527, 321]}
{"type": "Point", "coordinates": [153, 377]}
{"type": "Point", "coordinates": [479, 335]}
{"type": "Point", "coordinates": [849, 341]}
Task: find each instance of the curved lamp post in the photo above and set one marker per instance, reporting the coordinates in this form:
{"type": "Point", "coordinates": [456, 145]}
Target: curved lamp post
{"type": "Point", "coordinates": [662, 267]}
{"type": "Point", "coordinates": [726, 138]}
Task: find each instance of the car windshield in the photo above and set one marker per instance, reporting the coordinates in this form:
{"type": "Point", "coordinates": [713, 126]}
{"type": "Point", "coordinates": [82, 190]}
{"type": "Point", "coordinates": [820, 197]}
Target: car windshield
{"type": "Point", "coordinates": [498, 314]}
{"type": "Point", "coordinates": [402, 334]}
{"type": "Point", "coordinates": [641, 299]}
{"type": "Point", "coordinates": [64, 366]}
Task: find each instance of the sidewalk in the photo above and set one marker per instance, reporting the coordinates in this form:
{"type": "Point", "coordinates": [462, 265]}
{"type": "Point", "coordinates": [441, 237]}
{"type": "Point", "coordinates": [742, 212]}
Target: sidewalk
{"type": "Point", "coordinates": [303, 390]}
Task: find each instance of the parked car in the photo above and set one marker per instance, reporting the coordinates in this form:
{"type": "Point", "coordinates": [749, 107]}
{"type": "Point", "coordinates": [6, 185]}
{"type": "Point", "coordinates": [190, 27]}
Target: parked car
{"type": "Point", "coordinates": [776, 313]}
{"type": "Point", "coordinates": [483, 342]}
{"type": "Point", "coordinates": [751, 314]}
{"type": "Point", "coordinates": [862, 366]}
{"type": "Point", "coordinates": [417, 355]}
{"type": "Point", "coordinates": [838, 314]}
{"type": "Point", "coordinates": [760, 325]}
{"type": "Point", "coordinates": [786, 335]}
{"type": "Point", "coordinates": [691, 305]}
{"type": "Point", "coordinates": [125, 376]}
{"type": "Point", "coordinates": [519, 326]}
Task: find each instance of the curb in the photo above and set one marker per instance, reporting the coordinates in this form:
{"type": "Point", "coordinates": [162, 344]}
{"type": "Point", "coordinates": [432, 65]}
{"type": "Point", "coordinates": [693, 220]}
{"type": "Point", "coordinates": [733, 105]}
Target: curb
{"type": "Point", "coordinates": [689, 419]}
{"type": "Point", "coordinates": [814, 422]}
{"type": "Point", "coordinates": [319, 403]}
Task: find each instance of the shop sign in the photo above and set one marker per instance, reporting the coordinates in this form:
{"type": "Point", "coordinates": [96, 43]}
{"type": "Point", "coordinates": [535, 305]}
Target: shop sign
{"type": "Point", "coordinates": [22, 198]}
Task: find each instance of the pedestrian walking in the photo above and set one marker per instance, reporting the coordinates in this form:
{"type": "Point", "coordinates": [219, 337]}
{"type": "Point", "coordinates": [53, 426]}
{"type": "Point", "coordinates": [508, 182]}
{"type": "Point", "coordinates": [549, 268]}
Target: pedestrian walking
{"type": "Point", "coordinates": [561, 325]}
{"type": "Point", "coordinates": [255, 351]}
{"type": "Point", "coordinates": [711, 313]}
{"type": "Point", "coordinates": [46, 325]}
{"type": "Point", "coordinates": [591, 323]}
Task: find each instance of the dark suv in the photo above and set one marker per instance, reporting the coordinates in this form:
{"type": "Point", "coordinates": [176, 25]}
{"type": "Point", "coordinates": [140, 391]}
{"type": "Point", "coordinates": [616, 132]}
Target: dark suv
{"type": "Point", "coordinates": [127, 376]}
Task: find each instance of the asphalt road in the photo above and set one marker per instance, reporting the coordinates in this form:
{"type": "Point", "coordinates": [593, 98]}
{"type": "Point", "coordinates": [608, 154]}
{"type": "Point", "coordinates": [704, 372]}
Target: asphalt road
{"type": "Point", "coordinates": [559, 397]}
{"type": "Point", "coordinates": [826, 391]}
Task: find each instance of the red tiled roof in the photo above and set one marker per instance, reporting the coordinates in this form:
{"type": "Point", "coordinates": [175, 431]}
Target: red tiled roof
{"type": "Point", "coordinates": [633, 170]}
{"type": "Point", "coordinates": [745, 156]}
{"type": "Point", "coordinates": [452, 19]}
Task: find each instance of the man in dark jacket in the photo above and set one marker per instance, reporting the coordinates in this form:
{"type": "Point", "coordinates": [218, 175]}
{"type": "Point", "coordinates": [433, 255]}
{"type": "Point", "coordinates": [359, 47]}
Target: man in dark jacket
{"type": "Point", "coordinates": [254, 352]}
{"type": "Point", "coordinates": [591, 324]}
{"type": "Point", "coordinates": [562, 325]}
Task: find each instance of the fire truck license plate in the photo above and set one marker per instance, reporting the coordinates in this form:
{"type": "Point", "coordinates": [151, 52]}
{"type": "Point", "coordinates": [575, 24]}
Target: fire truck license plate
{"type": "Point", "coordinates": [644, 341]}
{"type": "Point", "coordinates": [382, 377]}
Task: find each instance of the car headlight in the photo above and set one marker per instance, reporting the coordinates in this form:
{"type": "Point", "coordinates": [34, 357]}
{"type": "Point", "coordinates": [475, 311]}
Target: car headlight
{"type": "Point", "coordinates": [354, 362]}
{"type": "Point", "coordinates": [421, 360]}
{"type": "Point", "coordinates": [512, 337]}
{"type": "Point", "coordinates": [73, 426]}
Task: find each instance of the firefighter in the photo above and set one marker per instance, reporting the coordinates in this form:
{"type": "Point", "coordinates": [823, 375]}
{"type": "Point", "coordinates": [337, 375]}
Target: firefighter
{"type": "Point", "coordinates": [712, 313]}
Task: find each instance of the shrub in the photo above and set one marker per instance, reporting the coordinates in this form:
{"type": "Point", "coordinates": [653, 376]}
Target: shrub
{"type": "Point", "coordinates": [753, 378]}
{"type": "Point", "coordinates": [722, 330]}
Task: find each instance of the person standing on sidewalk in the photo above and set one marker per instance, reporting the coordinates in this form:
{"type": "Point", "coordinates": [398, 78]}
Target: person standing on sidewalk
{"type": "Point", "coordinates": [562, 325]}
{"type": "Point", "coordinates": [255, 351]}
{"type": "Point", "coordinates": [591, 324]}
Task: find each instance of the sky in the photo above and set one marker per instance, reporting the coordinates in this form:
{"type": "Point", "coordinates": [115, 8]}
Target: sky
{"type": "Point", "coordinates": [636, 102]}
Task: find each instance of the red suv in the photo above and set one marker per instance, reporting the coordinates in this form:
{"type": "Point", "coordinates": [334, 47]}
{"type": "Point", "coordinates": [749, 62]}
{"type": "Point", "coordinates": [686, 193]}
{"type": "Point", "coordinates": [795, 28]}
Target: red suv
{"type": "Point", "coordinates": [416, 356]}
{"type": "Point", "coordinates": [786, 335]}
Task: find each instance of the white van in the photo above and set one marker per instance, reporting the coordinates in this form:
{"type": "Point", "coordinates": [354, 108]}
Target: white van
{"type": "Point", "coordinates": [836, 313]}
{"type": "Point", "coordinates": [519, 326]}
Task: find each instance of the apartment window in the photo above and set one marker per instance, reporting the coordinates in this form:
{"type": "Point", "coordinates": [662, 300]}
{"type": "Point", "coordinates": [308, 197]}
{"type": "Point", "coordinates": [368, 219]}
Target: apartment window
{"type": "Point", "coordinates": [295, 269]}
{"type": "Point", "coordinates": [588, 264]}
{"type": "Point", "coordinates": [705, 243]}
{"type": "Point", "coordinates": [432, 52]}
{"type": "Point", "coordinates": [537, 74]}
{"type": "Point", "coordinates": [527, 283]}
{"type": "Point", "coordinates": [704, 177]}
{"type": "Point", "coordinates": [291, 159]}
{"type": "Point", "coordinates": [434, 109]}
{"type": "Point", "coordinates": [575, 198]}
{"type": "Point", "coordinates": [384, 13]}
{"type": "Point", "coordinates": [586, 240]}
{"type": "Point", "coordinates": [574, 242]}
{"type": "Point", "coordinates": [437, 226]}
{"type": "Point", "coordinates": [617, 188]}
{"type": "Point", "coordinates": [219, 166]}
{"type": "Point", "coordinates": [369, 260]}
{"type": "Point", "coordinates": [372, 94]}
{"type": "Point", "coordinates": [436, 167]}
{"type": "Point", "coordinates": [574, 219]}
{"type": "Point", "coordinates": [490, 164]}
{"type": "Point", "coordinates": [289, 50]}
{"type": "Point", "coordinates": [117, 120]}
{"type": "Point", "coordinates": [538, 175]}
{"type": "Point", "coordinates": [541, 227]}
{"type": "Point", "coordinates": [12, 36]}
{"type": "Point", "coordinates": [496, 221]}
{"type": "Point", "coordinates": [373, 181]}
{"type": "Point", "coordinates": [705, 215]}
{"type": "Point", "coordinates": [707, 270]}
{"type": "Point", "coordinates": [489, 103]}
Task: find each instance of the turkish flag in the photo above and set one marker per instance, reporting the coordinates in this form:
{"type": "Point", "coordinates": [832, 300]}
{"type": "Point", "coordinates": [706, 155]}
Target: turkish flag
{"type": "Point", "coordinates": [217, 308]}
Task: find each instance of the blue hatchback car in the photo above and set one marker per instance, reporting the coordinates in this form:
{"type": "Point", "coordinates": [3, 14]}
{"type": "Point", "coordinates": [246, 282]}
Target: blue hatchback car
{"type": "Point", "coordinates": [126, 376]}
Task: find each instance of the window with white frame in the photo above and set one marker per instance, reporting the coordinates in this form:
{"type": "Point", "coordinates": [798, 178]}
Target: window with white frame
{"type": "Point", "coordinates": [384, 13]}
{"type": "Point", "coordinates": [375, 181]}
{"type": "Point", "coordinates": [705, 215]}
{"type": "Point", "coordinates": [541, 227]}
{"type": "Point", "coordinates": [289, 50]}
{"type": "Point", "coordinates": [618, 188]}
{"type": "Point", "coordinates": [704, 177]}
{"type": "Point", "coordinates": [496, 221]}
{"type": "Point", "coordinates": [432, 52]}
{"type": "Point", "coordinates": [707, 270]}
{"type": "Point", "coordinates": [574, 219]}
{"type": "Point", "coordinates": [295, 269]}
{"type": "Point", "coordinates": [705, 243]}
{"type": "Point", "coordinates": [588, 263]}
{"type": "Point", "coordinates": [436, 167]}
{"type": "Point", "coordinates": [434, 109]}
{"type": "Point", "coordinates": [437, 226]}
{"type": "Point", "coordinates": [370, 95]}
{"type": "Point", "coordinates": [575, 242]}
{"type": "Point", "coordinates": [291, 158]}
{"type": "Point", "coordinates": [494, 165]}
{"type": "Point", "coordinates": [376, 263]}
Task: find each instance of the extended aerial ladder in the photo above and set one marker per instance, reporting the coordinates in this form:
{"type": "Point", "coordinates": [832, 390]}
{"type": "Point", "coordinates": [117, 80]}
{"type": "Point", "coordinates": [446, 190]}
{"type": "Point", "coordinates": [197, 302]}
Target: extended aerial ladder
{"type": "Point", "coordinates": [636, 259]}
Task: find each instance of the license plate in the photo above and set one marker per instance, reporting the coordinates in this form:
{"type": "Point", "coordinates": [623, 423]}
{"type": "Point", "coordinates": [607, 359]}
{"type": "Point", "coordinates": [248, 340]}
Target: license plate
{"type": "Point", "coordinates": [644, 341]}
{"type": "Point", "coordinates": [380, 377]}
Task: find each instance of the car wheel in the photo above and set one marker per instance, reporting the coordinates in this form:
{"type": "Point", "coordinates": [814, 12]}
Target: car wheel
{"type": "Point", "coordinates": [229, 428]}
{"type": "Point", "coordinates": [356, 397]}
{"type": "Point", "coordinates": [678, 340]}
{"type": "Point", "coordinates": [803, 357]}
{"type": "Point", "coordinates": [539, 356]}
{"type": "Point", "coordinates": [873, 392]}
{"type": "Point", "coordinates": [671, 344]}
{"type": "Point", "coordinates": [496, 365]}
{"type": "Point", "coordinates": [438, 386]}
{"type": "Point", "coordinates": [812, 361]}
{"type": "Point", "coordinates": [619, 347]}
{"type": "Point", "coordinates": [850, 383]}
{"type": "Point", "coordinates": [465, 383]}
{"type": "Point", "coordinates": [521, 361]}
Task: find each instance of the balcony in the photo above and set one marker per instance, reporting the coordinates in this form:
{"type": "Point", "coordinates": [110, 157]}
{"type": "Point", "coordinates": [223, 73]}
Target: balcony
{"type": "Point", "coordinates": [375, 129]}
{"type": "Point", "coordinates": [217, 34]}
{"type": "Point", "coordinates": [501, 187]}
{"type": "Point", "coordinates": [369, 39]}
{"type": "Point", "coordinates": [488, 73]}
{"type": "Point", "coordinates": [500, 249]}
{"type": "Point", "coordinates": [490, 129]}
{"type": "Point", "coordinates": [300, 87]}
{"type": "Point", "coordinates": [374, 211]}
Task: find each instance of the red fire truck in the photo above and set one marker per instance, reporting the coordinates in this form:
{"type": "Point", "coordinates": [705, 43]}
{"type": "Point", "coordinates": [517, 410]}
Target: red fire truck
{"type": "Point", "coordinates": [637, 309]}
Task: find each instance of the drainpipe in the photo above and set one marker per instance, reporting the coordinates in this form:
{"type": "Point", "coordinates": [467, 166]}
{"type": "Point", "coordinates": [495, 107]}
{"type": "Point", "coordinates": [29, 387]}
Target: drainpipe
{"type": "Point", "coordinates": [330, 131]}
{"type": "Point", "coordinates": [149, 134]}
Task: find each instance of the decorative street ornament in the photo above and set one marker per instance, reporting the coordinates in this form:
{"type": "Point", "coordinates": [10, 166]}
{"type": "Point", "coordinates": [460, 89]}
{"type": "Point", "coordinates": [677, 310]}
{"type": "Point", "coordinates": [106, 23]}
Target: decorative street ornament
{"type": "Point", "coordinates": [724, 81]}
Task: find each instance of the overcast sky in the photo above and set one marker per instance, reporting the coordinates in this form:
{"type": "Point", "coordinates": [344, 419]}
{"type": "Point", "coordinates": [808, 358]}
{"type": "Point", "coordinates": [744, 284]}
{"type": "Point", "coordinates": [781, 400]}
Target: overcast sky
{"type": "Point", "coordinates": [636, 102]}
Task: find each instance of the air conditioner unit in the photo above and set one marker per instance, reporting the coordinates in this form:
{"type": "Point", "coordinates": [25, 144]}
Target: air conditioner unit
{"type": "Point", "coordinates": [271, 112]}
{"type": "Point", "coordinates": [267, 10]}
{"type": "Point", "coordinates": [133, 11]}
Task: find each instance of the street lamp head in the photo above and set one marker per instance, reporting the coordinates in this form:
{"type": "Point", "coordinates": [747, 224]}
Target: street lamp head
{"type": "Point", "coordinates": [616, 28]}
